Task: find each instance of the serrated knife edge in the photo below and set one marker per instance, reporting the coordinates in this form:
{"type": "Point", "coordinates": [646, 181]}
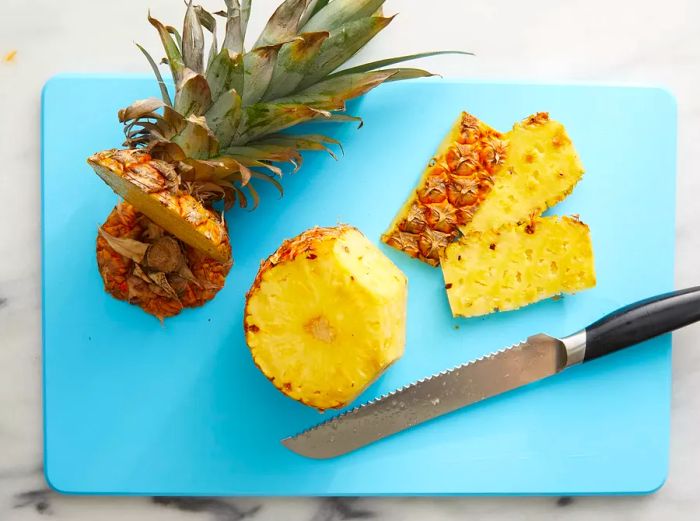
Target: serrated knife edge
{"type": "Point", "coordinates": [391, 412]}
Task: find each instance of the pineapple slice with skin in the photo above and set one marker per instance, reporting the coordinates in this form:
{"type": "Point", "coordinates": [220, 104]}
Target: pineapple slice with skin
{"type": "Point", "coordinates": [450, 190]}
{"type": "Point", "coordinates": [500, 270]}
{"type": "Point", "coordinates": [152, 185]}
{"type": "Point", "coordinates": [480, 180]}
{"type": "Point", "coordinates": [541, 168]}
{"type": "Point", "coordinates": [326, 315]}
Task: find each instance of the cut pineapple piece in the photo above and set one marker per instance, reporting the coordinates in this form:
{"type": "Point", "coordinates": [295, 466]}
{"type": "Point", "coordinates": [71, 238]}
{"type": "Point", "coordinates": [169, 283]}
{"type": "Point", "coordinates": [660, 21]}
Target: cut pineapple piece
{"type": "Point", "coordinates": [481, 179]}
{"type": "Point", "coordinates": [152, 186]}
{"type": "Point", "coordinates": [451, 188]}
{"type": "Point", "coordinates": [326, 316]}
{"type": "Point", "coordinates": [517, 265]}
{"type": "Point", "coordinates": [540, 169]}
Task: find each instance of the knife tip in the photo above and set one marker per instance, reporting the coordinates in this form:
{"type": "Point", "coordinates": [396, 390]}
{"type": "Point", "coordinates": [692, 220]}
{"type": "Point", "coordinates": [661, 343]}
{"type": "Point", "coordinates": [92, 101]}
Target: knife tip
{"type": "Point", "coordinates": [297, 446]}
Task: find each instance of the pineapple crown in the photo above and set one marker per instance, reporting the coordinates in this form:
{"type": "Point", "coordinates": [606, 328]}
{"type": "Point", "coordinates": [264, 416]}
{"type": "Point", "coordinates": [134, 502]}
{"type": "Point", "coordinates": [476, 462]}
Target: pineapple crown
{"type": "Point", "coordinates": [224, 127]}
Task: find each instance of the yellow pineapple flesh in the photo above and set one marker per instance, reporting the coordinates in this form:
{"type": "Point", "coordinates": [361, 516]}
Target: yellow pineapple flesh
{"type": "Point", "coordinates": [516, 265]}
{"type": "Point", "coordinates": [451, 188]}
{"type": "Point", "coordinates": [541, 168]}
{"type": "Point", "coordinates": [152, 186]}
{"type": "Point", "coordinates": [326, 316]}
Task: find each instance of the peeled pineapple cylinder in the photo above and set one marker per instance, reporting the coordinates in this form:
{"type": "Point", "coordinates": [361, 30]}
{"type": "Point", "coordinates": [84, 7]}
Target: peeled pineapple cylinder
{"type": "Point", "coordinates": [516, 265]}
{"type": "Point", "coordinates": [326, 315]}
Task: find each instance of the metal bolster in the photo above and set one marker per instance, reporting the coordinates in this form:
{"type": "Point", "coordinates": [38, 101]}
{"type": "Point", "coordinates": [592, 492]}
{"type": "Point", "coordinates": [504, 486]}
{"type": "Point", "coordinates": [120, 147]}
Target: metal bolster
{"type": "Point", "coordinates": [575, 347]}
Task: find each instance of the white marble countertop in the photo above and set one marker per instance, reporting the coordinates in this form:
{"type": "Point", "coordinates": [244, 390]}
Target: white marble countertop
{"type": "Point", "coordinates": [609, 41]}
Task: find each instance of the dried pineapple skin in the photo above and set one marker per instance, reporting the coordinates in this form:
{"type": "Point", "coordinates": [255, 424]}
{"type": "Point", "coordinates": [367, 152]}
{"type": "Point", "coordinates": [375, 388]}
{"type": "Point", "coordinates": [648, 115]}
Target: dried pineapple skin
{"type": "Point", "coordinates": [541, 168]}
{"type": "Point", "coordinates": [326, 316]}
{"type": "Point", "coordinates": [456, 180]}
{"type": "Point", "coordinates": [505, 269]}
{"type": "Point", "coordinates": [121, 282]}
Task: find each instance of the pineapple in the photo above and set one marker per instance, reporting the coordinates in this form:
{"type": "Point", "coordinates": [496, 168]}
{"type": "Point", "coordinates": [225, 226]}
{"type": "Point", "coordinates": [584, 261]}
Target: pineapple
{"type": "Point", "coordinates": [453, 185]}
{"type": "Point", "coordinates": [540, 169]}
{"type": "Point", "coordinates": [481, 180]}
{"type": "Point", "coordinates": [326, 315]}
{"type": "Point", "coordinates": [517, 264]}
{"type": "Point", "coordinates": [223, 129]}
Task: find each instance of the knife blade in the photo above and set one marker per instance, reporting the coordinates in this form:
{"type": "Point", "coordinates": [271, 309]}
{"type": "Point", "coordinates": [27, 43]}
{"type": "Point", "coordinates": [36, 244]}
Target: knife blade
{"type": "Point", "coordinates": [538, 357]}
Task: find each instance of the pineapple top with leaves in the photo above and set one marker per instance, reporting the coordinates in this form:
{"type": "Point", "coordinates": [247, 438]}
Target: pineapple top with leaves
{"type": "Point", "coordinates": [224, 126]}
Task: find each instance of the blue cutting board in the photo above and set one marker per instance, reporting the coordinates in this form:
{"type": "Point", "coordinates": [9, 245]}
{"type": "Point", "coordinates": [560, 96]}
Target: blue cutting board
{"type": "Point", "coordinates": [136, 407]}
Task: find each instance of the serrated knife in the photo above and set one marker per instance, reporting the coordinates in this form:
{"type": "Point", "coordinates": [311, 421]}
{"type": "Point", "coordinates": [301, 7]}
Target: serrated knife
{"type": "Point", "coordinates": [536, 358]}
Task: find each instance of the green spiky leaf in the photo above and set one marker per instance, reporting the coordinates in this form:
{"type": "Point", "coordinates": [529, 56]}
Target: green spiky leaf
{"type": "Point", "coordinates": [193, 41]}
{"type": "Point", "coordinates": [313, 7]}
{"type": "Point", "coordinates": [283, 24]}
{"type": "Point", "coordinates": [161, 84]}
{"type": "Point", "coordinates": [405, 73]}
{"type": "Point", "coordinates": [193, 94]}
{"type": "Point", "coordinates": [293, 62]}
{"type": "Point", "coordinates": [264, 118]}
{"type": "Point", "coordinates": [341, 46]}
{"type": "Point", "coordinates": [176, 34]}
{"type": "Point", "coordinates": [235, 34]}
{"type": "Point", "coordinates": [177, 65]}
{"type": "Point", "coordinates": [268, 179]}
{"type": "Point", "coordinates": [224, 116]}
{"type": "Point", "coordinates": [258, 66]}
{"type": "Point", "coordinates": [303, 142]}
{"type": "Point", "coordinates": [245, 15]}
{"type": "Point", "coordinates": [209, 23]}
{"type": "Point", "coordinates": [339, 12]}
{"type": "Point", "coordinates": [332, 93]}
{"type": "Point", "coordinates": [225, 73]}
{"type": "Point", "coordinates": [267, 152]}
{"type": "Point", "coordinates": [371, 66]}
{"type": "Point", "coordinates": [196, 139]}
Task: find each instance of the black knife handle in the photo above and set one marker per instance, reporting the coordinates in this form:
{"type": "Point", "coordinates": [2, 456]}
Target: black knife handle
{"type": "Point", "coordinates": [641, 321]}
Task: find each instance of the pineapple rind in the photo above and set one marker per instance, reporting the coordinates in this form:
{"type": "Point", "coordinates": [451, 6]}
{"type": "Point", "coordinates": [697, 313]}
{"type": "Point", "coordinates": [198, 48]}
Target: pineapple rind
{"type": "Point", "coordinates": [326, 316]}
{"type": "Point", "coordinates": [540, 169]}
{"type": "Point", "coordinates": [128, 172]}
{"type": "Point", "coordinates": [500, 270]}
{"type": "Point", "coordinates": [451, 188]}
{"type": "Point", "coordinates": [120, 281]}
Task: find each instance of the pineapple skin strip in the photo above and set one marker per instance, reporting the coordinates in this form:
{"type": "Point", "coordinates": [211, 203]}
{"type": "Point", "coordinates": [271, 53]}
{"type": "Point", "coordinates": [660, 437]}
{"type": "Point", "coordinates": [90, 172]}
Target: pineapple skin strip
{"type": "Point", "coordinates": [453, 185]}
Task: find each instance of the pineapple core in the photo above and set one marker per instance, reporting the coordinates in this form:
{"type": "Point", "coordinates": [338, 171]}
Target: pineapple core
{"type": "Point", "coordinates": [326, 316]}
{"type": "Point", "coordinates": [517, 265]}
